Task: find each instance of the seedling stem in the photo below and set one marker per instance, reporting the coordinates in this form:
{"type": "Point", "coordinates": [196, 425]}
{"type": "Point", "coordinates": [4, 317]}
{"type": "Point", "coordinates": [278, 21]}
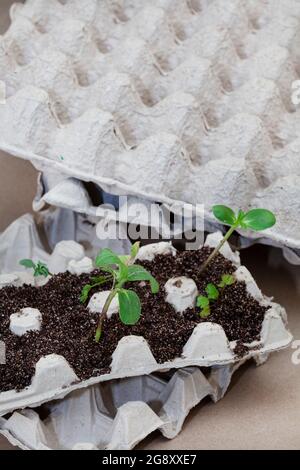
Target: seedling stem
{"type": "Point", "coordinates": [255, 219]}
{"type": "Point", "coordinates": [122, 270]}
{"type": "Point", "coordinates": [218, 248]}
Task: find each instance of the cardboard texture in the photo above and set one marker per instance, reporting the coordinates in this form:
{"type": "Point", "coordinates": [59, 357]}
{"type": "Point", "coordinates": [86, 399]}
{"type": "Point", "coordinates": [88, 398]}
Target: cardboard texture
{"type": "Point", "coordinates": [257, 400]}
{"type": "Point", "coordinates": [118, 414]}
{"type": "Point", "coordinates": [207, 90]}
{"type": "Point", "coordinates": [221, 426]}
{"type": "Point", "coordinates": [261, 409]}
{"type": "Point", "coordinates": [208, 345]}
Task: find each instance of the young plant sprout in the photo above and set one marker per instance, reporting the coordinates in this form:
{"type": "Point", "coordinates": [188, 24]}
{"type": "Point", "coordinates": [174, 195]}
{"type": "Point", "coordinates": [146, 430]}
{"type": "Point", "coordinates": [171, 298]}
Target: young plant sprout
{"type": "Point", "coordinates": [255, 219]}
{"type": "Point", "coordinates": [39, 268]}
{"type": "Point", "coordinates": [213, 293]}
{"type": "Point", "coordinates": [120, 270]}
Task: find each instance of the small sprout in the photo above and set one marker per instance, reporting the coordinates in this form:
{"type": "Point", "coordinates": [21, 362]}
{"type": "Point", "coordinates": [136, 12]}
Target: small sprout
{"type": "Point", "coordinates": [255, 219]}
{"type": "Point", "coordinates": [203, 303]}
{"type": "Point", "coordinates": [213, 293]}
{"type": "Point", "coordinates": [134, 250]}
{"type": "Point", "coordinates": [130, 306]}
{"type": "Point", "coordinates": [129, 259]}
{"type": "Point", "coordinates": [96, 281]}
{"type": "Point", "coordinates": [226, 280]}
{"type": "Point", "coordinates": [39, 268]}
{"type": "Point", "coordinates": [121, 270]}
{"type": "Point", "coordinates": [85, 293]}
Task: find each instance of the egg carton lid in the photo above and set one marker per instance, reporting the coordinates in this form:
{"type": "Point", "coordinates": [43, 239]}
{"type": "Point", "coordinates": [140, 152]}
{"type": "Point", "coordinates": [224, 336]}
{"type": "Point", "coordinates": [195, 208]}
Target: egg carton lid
{"type": "Point", "coordinates": [95, 95]}
{"type": "Point", "coordinates": [207, 346]}
{"type": "Point", "coordinates": [117, 415]}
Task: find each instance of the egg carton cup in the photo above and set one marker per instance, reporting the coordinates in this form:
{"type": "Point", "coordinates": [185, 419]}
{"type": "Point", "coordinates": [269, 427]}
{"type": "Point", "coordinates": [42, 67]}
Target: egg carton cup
{"type": "Point", "coordinates": [168, 101]}
{"type": "Point", "coordinates": [20, 240]}
{"type": "Point", "coordinates": [117, 415]}
{"type": "Point", "coordinates": [26, 430]}
{"type": "Point", "coordinates": [68, 255]}
{"type": "Point", "coordinates": [24, 239]}
{"type": "Point", "coordinates": [207, 346]}
{"type": "Point", "coordinates": [71, 194]}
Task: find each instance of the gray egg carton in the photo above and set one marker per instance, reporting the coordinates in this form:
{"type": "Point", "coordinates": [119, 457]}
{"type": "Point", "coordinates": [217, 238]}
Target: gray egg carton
{"type": "Point", "coordinates": [117, 415]}
{"type": "Point", "coordinates": [114, 414]}
{"type": "Point", "coordinates": [22, 239]}
{"type": "Point", "coordinates": [208, 345]}
{"type": "Point", "coordinates": [168, 100]}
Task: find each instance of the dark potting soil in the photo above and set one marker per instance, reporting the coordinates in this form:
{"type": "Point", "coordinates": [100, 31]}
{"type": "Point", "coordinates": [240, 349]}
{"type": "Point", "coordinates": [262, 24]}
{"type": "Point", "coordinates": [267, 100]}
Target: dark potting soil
{"type": "Point", "coordinates": [68, 327]}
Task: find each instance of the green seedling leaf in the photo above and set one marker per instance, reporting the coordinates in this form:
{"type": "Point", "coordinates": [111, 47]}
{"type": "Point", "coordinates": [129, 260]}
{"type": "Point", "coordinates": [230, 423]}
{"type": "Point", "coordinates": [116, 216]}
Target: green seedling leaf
{"type": "Point", "coordinates": [107, 258]}
{"type": "Point", "coordinates": [224, 214]}
{"type": "Point", "coordinates": [205, 312]}
{"type": "Point", "coordinates": [226, 280]}
{"type": "Point", "coordinates": [85, 293]}
{"type": "Point", "coordinates": [100, 279]}
{"type": "Point", "coordinates": [97, 281]}
{"type": "Point", "coordinates": [255, 219]}
{"type": "Point", "coordinates": [123, 272]}
{"type": "Point", "coordinates": [138, 273]}
{"type": "Point", "coordinates": [129, 306]}
{"type": "Point", "coordinates": [212, 292]}
{"type": "Point", "coordinates": [202, 301]}
{"type": "Point", "coordinates": [258, 219]}
{"type": "Point", "coordinates": [41, 270]}
{"type": "Point", "coordinates": [27, 263]}
{"type": "Point", "coordinates": [240, 216]}
{"type": "Point", "coordinates": [134, 250]}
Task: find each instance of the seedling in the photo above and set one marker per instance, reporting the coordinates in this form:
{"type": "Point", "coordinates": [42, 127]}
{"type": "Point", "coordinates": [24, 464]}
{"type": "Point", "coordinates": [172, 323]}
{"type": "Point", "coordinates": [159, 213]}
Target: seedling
{"type": "Point", "coordinates": [95, 282]}
{"type": "Point", "coordinates": [213, 293]}
{"type": "Point", "coordinates": [39, 268]}
{"type": "Point", "coordinates": [120, 270]}
{"type": "Point", "coordinates": [255, 219]}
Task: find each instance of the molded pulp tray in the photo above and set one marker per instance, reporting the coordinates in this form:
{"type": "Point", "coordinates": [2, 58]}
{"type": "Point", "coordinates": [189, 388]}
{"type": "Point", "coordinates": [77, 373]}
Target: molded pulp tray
{"type": "Point", "coordinates": [22, 239]}
{"type": "Point", "coordinates": [208, 345]}
{"type": "Point", "coordinates": [117, 414]}
{"type": "Point", "coordinates": [169, 100]}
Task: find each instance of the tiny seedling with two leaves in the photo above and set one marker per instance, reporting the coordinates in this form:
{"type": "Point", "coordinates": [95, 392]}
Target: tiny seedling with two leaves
{"type": "Point", "coordinates": [213, 293]}
{"type": "Point", "coordinates": [255, 219]}
{"type": "Point", "coordinates": [119, 270]}
{"type": "Point", "coordinates": [39, 268]}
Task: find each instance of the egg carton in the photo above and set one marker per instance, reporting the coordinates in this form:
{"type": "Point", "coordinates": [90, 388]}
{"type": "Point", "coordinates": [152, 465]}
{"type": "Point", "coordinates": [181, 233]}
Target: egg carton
{"type": "Point", "coordinates": [28, 238]}
{"type": "Point", "coordinates": [21, 239]}
{"type": "Point", "coordinates": [207, 90]}
{"type": "Point", "coordinates": [207, 346]}
{"type": "Point", "coordinates": [117, 415]}
{"type": "Point", "coordinates": [94, 95]}
{"type": "Point", "coordinates": [117, 212]}
{"type": "Point", "coordinates": [66, 255]}
{"type": "Point", "coordinates": [177, 393]}
{"type": "Point", "coordinates": [73, 197]}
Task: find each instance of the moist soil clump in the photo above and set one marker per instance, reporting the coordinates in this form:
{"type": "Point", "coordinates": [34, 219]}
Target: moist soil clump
{"type": "Point", "coordinates": [68, 327]}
